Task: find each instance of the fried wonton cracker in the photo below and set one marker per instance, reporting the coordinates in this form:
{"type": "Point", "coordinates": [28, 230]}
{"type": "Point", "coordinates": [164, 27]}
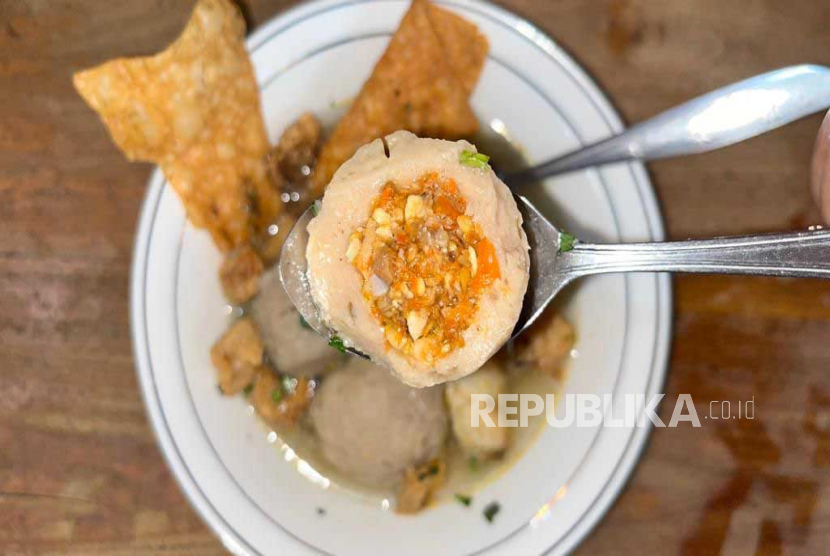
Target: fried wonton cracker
{"type": "Point", "coordinates": [465, 47]}
{"type": "Point", "coordinates": [413, 87]}
{"type": "Point", "coordinates": [194, 110]}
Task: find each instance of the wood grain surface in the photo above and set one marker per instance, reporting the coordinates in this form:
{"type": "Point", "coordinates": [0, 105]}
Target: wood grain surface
{"type": "Point", "coordinates": [80, 472]}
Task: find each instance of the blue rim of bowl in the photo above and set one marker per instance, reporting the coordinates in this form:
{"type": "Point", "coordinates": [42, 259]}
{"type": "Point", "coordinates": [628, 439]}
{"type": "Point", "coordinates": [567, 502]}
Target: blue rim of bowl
{"type": "Point", "coordinates": [638, 175]}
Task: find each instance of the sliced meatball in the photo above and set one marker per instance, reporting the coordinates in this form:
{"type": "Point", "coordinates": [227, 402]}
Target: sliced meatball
{"type": "Point", "coordinates": [372, 427]}
{"type": "Point", "coordinates": [236, 356]}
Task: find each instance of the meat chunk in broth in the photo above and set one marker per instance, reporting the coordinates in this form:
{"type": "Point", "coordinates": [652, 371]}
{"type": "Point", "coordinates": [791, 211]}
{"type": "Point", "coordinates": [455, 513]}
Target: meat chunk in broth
{"type": "Point", "coordinates": [236, 356]}
{"type": "Point", "coordinates": [281, 400]}
{"type": "Point", "coordinates": [547, 345]}
{"type": "Point", "coordinates": [418, 486]}
{"type": "Point", "coordinates": [240, 274]}
{"type": "Point", "coordinates": [296, 152]}
{"type": "Point", "coordinates": [290, 163]}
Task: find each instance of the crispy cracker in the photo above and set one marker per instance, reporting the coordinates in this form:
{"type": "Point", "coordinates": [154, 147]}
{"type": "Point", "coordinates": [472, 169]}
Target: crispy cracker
{"type": "Point", "coordinates": [466, 48]}
{"type": "Point", "coordinates": [412, 87]}
{"type": "Point", "coordinates": [194, 110]}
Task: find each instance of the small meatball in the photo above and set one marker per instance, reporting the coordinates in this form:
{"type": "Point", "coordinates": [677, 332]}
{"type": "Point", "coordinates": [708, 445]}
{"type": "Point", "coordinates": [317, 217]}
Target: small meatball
{"type": "Point", "coordinates": [236, 356]}
{"type": "Point", "coordinates": [292, 347]}
{"type": "Point", "coordinates": [418, 486]}
{"type": "Point", "coordinates": [281, 400]}
{"type": "Point", "coordinates": [372, 428]}
{"type": "Point", "coordinates": [547, 345]}
{"type": "Point", "coordinates": [480, 441]}
{"type": "Point", "coordinates": [240, 274]}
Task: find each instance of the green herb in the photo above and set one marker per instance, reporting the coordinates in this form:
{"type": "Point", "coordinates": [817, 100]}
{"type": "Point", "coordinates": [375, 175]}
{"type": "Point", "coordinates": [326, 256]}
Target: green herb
{"type": "Point", "coordinates": [337, 343]}
{"type": "Point", "coordinates": [491, 510]}
{"type": "Point", "coordinates": [248, 389]}
{"type": "Point", "coordinates": [464, 499]}
{"type": "Point", "coordinates": [566, 242]}
{"type": "Point", "coordinates": [276, 395]}
{"type": "Point", "coordinates": [315, 208]}
{"type": "Point", "coordinates": [473, 159]}
{"type": "Point", "coordinates": [304, 323]}
{"type": "Point", "coordinates": [473, 464]}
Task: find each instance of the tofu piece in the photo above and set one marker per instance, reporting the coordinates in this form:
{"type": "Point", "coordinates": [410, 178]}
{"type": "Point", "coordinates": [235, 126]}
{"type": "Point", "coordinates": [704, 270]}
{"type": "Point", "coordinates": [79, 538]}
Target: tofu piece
{"type": "Point", "coordinates": [481, 441]}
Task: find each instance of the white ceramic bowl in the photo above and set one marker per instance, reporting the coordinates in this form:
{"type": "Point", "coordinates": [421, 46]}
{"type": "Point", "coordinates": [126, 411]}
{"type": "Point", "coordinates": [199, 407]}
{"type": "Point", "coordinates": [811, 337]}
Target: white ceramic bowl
{"type": "Point", "coordinates": [243, 484]}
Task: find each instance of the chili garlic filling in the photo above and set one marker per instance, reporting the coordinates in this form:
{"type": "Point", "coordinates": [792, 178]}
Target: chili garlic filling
{"type": "Point", "coordinates": [424, 265]}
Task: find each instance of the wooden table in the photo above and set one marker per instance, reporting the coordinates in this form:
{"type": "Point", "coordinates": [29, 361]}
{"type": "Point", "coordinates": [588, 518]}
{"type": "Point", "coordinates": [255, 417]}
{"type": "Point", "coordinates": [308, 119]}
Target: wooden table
{"type": "Point", "coordinates": [80, 472]}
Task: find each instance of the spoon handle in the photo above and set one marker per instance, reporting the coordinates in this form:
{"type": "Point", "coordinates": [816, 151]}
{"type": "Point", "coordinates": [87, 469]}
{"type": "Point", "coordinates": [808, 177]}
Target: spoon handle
{"type": "Point", "coordinates": [800, 254]}
{"type": "Point", "coordinates": [717, 119]}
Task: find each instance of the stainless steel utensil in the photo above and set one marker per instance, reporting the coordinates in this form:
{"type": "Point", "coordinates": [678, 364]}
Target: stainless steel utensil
{"type": "Point", "coordinates": [799, 254]}
{"type": "Point", "coordinates": [717, 119]}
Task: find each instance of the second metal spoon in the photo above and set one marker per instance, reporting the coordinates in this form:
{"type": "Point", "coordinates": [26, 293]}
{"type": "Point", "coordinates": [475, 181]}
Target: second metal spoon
{"type": "Point", "coordinates": [723, 117]}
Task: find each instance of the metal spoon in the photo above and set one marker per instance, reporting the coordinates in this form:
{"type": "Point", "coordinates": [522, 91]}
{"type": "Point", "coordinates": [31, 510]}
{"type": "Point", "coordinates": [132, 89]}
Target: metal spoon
{"type": "Point", "coordinates": [293, 268]}
{"type": "Point", "coordinates": [717, 119]}
{"type": "Point", "coordinates": [798, 254]}
{"type": "Point", "coordinates": [801, 254]}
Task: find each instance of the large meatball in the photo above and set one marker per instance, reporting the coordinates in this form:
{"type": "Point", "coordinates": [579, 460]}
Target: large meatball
{"type": "Point", "coordinates": [418, 258]}
{"type": "Point", "coordinates": [372, 427]}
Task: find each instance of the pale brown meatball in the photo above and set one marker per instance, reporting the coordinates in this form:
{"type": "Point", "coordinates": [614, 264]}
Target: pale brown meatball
{"type": "Point", "coordinates": [372, 427]}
